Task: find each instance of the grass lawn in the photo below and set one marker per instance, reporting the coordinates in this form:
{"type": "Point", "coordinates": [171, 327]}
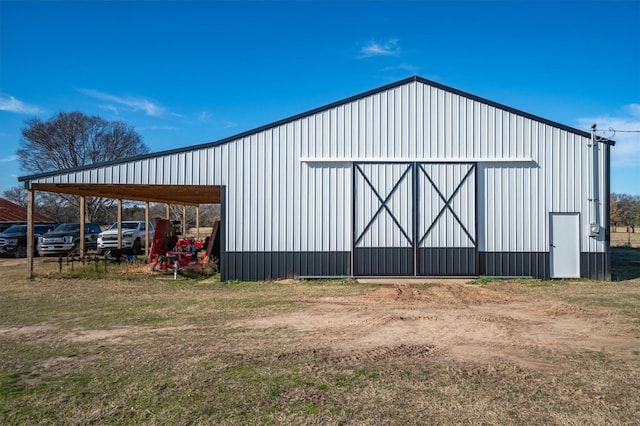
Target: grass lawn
{"type": "Point", "coordinates": [134, 348]}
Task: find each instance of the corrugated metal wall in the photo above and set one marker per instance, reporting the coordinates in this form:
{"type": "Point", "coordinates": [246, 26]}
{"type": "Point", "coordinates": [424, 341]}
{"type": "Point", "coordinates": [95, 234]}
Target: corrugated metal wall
{"type": "Point", "coordinates": [384, 205]}
{"type": "Point", "coordinates": [289, 187]}
{"type": "Point", "coordinates": [447, 205]}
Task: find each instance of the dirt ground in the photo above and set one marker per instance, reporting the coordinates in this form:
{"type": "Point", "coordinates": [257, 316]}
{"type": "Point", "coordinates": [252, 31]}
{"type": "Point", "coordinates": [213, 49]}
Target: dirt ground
{"type": "Point", "coordinates": [456, 322]}
{"type": "Point", "coordinates": [556, 352]}
{"type": "Point", "coordinates": [447, 318]}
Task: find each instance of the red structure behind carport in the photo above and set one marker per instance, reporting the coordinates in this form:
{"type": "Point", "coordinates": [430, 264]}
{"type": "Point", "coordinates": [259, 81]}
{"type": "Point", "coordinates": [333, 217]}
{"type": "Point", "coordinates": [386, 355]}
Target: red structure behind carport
{"type": "Point", "coordinates": [12, 213]}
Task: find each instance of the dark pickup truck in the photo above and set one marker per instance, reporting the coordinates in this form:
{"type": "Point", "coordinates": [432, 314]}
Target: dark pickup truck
{"type": "Point", "coordinates": [66, 238]}
{"type": "Point", "coordinates": [13, 240]}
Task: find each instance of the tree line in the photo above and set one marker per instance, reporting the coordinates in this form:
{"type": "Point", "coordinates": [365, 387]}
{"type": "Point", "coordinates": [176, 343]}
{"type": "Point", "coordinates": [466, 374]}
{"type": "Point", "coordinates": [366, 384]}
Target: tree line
{"type": "Point", "coordinates": [625, 212]}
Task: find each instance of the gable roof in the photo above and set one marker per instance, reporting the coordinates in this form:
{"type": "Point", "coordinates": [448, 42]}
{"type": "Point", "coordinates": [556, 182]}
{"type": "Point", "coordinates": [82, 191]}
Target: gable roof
{"type": "Point", "coordinates": [315, 111]}
{"type": "Point", "coordinates": [11, 212]}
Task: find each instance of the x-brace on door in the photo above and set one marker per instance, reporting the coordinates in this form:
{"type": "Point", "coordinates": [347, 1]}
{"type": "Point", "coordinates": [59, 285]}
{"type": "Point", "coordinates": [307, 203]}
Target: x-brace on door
{"type": "Point", "coordinates": [414, 219]}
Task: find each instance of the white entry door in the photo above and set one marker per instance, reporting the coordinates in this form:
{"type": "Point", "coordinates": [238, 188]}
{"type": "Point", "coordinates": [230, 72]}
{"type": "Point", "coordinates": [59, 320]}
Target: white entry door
{"type": "Point", "coordinates": [564, 251]}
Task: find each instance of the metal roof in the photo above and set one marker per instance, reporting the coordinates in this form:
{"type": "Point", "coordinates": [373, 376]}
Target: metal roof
{"type": "Point", "coordinates": [311, 112]}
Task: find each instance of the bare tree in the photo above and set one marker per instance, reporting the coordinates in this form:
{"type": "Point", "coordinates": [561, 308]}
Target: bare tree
{"type": "Point", "coordinates": [69, 140]}
{"type": "Point", "coordinates": [616, 217]}
{"type": "Point", "coordinates": [16, 195]}
{"type": "Point", "coordinates": [209, 213]}
{"type": "Point", "coordinates": [625, 210]}
{"type": "Point", "coordinates": [633, 212]}
{"type": "Point", "coordinates": [57, 207]}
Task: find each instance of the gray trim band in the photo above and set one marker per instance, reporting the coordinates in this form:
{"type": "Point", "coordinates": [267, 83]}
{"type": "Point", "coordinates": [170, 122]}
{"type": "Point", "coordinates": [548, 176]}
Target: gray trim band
{"type": "Point", "coordinates": [257, 266]}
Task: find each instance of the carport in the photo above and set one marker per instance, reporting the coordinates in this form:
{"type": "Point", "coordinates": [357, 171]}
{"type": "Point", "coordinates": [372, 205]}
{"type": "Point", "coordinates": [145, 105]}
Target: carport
{"type": "Point", "coordinates": [184, 195]}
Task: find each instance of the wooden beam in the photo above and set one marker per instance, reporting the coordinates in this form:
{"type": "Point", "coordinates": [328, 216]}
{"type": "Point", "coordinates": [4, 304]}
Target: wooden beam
{"type": "Point", "coordinates": [30, 203]}
{"type": "Point", "coordinates": [171, 194]}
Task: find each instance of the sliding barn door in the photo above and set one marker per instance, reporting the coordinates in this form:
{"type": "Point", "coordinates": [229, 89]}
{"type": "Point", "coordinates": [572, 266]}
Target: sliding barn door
{"type": "Point", "coordinates": [414, 219]}
{"type": "Point", "coordinates": [447, 242]}
{"type": "Point", "coordinates": [383, 222]}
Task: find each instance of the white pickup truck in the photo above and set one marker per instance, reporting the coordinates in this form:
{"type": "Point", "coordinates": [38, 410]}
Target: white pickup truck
{"type": "Point", "coordinates": [133, 237]}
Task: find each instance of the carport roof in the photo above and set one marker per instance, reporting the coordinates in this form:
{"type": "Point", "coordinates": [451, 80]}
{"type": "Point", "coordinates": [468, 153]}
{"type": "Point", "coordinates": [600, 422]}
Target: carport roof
{"type": "Point", "coordinates": [171, 194]}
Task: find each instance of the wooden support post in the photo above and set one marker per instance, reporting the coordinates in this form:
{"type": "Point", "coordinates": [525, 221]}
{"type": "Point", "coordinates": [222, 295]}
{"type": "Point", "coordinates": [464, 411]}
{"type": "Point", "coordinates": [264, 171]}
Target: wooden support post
{"type": "Point", "coordinates": [167, 212]}
{"type": "Point", "coordinates": [119, 224]}
{"type": "Point", "coordinates": [147, 243]}
{"type": "Point", "coordinates": [184, 221]}
{"type": "Point", "coordinates": [198, 222]}
{"type": "Point", "coordinates": [30, 202]}
{"type": "Point", "coordinates": [82, 226]}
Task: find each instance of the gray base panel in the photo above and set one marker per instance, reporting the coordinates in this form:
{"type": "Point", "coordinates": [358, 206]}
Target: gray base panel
{"type": "Point", "coordinates": [536, 264]}
{"type": "Point", "coordinates": [595, 266]}
{"type": "Point", "coordinates": [514, 264]}
{"type": "Point", "coordinates": [254, 266]}
{"type": "Point", "coordinates": [447, 261]}
{"type": "Point", "coordinates": [380, 262]}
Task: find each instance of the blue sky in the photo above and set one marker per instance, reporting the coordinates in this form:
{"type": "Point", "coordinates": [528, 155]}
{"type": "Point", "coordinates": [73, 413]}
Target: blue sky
{"type": "Point", "coordinates": [185, 73]}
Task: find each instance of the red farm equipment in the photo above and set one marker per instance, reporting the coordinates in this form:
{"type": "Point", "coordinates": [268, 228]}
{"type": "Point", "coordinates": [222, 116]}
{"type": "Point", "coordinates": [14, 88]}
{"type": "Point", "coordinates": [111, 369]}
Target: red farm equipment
{"type": "Point", "coordinates": [170, 254]}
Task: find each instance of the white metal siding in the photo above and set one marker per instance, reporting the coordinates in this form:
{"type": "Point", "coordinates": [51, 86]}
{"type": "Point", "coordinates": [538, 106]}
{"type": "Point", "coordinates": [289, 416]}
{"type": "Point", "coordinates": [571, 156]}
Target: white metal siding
{"type": "Point", "coordinates": [276, 202]}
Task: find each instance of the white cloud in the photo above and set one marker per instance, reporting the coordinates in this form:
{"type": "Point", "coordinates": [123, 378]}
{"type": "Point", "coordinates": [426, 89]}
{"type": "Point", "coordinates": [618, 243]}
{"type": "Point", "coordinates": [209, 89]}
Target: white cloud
{"type": "Point", "coordinates": [12, 104]}
{"type": "Point", "coordinates": [204, 117]}
{"type": "Point", "coordinates": [623, 128]}
{"type": "Point", "coordinates": [9, 159]}
{"type": "Point", "coordinates": [373, 48]}
{"type": "Point", "coordinates": [158, 128]}
{"type": "Point", "coordinates": [402, 67]}
{"type": "Point", "coordinates": [634, 110]}
{"type": "Point", "coordinates": [111, 108]}
{"type": "Point", "coordinates": [133, 104]}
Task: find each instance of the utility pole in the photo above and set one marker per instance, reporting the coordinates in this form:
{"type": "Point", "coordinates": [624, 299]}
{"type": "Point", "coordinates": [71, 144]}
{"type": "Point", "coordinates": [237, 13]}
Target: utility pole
{"type": "Point", "coordinates": [594, 220]}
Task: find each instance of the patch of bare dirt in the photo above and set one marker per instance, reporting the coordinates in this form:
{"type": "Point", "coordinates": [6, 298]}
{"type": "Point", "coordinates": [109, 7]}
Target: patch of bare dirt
{"type": "Point", "coordinates": [447, 294]}
{"type": "Point", "coordinates": [456, 322]}
{"type": "Point", "coordinates": [115, 334]}
{"type": "Point", "coordinates": [29, 329]}
{"type": "Point", "coordinates": [90, 335]}
{"type": "Point", "coordinates": [12, 261]}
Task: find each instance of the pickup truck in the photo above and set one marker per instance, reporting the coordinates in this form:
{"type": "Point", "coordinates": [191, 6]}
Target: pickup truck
{"type": "Point", "coordinates": [13, 240]}
{"type": "Point", "coordinates": [133, 237]}
{"type": "Point", "coordinates": [66, 238]}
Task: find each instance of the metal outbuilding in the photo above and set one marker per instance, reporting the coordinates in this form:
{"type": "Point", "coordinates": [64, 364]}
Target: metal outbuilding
{"type": "Point", "coordinates": [410, 179]}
